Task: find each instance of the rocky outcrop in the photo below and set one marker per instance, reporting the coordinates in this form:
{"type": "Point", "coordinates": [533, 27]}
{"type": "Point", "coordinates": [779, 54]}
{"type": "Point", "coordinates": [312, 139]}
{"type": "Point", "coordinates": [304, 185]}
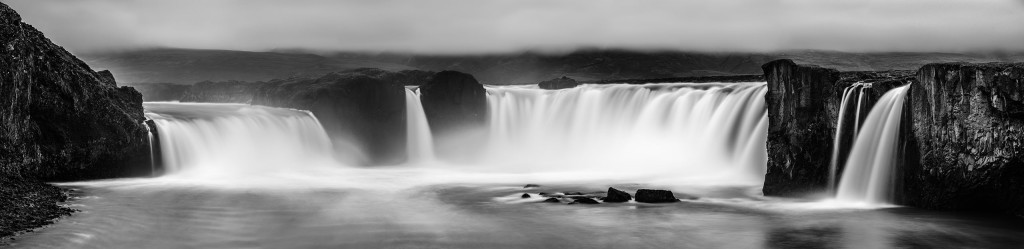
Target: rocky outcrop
{"type": "Point", "coordinates": [968, 120]}
{"type": "Point", "coordinates": [800, 131]}
{"type": "Point", "coordinates": [655, 196]}
{"type": "Point", "coordinates": [456, 108]}
{"type": "Point", "coordinates": [558, 83]}
{"type": "Point", "coordinates": [59, 119]}
{"type": "Point", "coordinates": [615, 195]}
{"type": "Point", "coordinates": [363, 115]}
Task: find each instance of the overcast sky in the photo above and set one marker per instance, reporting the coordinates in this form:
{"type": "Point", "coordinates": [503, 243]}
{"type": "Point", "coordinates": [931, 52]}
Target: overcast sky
{"type": "Point", "coordinates": [489, 26]}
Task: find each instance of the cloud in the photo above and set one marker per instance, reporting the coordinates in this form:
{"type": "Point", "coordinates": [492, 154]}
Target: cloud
{"type": "Point", "coordinates": [489, 26]}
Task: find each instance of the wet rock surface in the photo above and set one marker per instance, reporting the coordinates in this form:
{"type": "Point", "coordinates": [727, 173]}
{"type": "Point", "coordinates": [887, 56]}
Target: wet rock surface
{"type": "Point", "coordinates": [558, 83]}
{"type": "Point", "coordinates": [655, 196]}
{"type": "Point", "coordinates": [615, 195]}
{"type": "Point", "coordinates": [455, 102]}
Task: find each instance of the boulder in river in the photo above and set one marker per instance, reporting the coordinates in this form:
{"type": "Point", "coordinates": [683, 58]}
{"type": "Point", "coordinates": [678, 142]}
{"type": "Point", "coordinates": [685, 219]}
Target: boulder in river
{"type": "Point", "coordinates": [615, 195]}
{"type": "Point", "coordinates": [583, 200]}
{"type": "Point", "coordinates": [655, 196]}
{"type": "Point", "coordinates": [552, 200]}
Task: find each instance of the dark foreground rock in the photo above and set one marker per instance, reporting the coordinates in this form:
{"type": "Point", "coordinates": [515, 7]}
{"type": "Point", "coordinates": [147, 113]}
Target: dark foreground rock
{"type": "Point", "coordinates": [655, 196]}
{"type": "Point", "coordinates": [615, 195]}
{"type": "Point", "coordinates": [28, 204]}
{"type": "Point", "coordinates": [558, 83]}
{"type": "Point", "coordinates": [59, 119]}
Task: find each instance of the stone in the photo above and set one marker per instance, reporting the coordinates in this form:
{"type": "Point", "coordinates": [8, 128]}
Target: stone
{"type": "Point", "coordinates": [615, 195]}
{"type": "Point", "coordinates": [584, 200]}
{"type": "Point", "coordinates": [558, 83]}
{"type": "Point", "coordinates": [552, 200]}
{"type": "Point", "coordinates": [655, 196]}
{"type": "Point", "coordinates": [531, 186]}
{"type": "Point", "coordinates": [525, 195]}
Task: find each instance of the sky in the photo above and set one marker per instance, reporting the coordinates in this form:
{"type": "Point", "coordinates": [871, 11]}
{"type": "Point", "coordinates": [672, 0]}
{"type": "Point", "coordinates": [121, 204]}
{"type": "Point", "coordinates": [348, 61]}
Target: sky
{"type": "Point", "coordinates": [500, 26]}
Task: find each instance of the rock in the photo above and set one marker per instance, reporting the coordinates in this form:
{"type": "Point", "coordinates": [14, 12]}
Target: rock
{"type": "Point", "coordinates": [584, 200]}
{"type": "Point", "coordinates": [958, 108]}
{"type": "Point", "coordinates": [525, 195]}
{"type": "Point", "coordinates": [363, 112]}
{"type": "Point", "coordinates": [552, 200]}
{"type": "Point", "coordinates": [456, 108]}
{"type": "Point", "coordinates": [60, 120]}
{"type": "Point", "coordinates": [531, 186]}
{"type": "Point", "coordinates": [573, 193]}
{"type": "Point", "coordinates": [558, 83]}
{"type": "Point", "coordinates": [799, 132]}
{"type": "Point", "coordinates": [615, 195]}
{"type": "Point", "coordinates": [655, 196]}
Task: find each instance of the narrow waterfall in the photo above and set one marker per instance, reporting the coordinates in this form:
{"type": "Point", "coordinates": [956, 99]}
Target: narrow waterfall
{"type": "Point", "coordinates": [228, 139]}
{"type": "Point", "coordinates": [152, 154]}
{"type": "Point", "coordinates": [854, 91]}
{"type": "Point", "coordinates": [421, 141]}
{"type": "Point", "coordinates": [871, 169]}
{"type": "Point", "coordinates": [687, 128]}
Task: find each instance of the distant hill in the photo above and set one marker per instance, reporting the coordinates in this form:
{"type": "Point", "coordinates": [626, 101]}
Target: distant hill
{"type": "Point", "coordinates": [190, 66]}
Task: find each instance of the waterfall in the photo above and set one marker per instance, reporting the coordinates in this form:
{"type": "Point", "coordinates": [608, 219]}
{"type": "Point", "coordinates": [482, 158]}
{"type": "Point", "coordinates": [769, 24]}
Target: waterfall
{"type": "Point", "coordinates": [421, 142]}
{"type": "Point", "coordinates": [689, 128]}
{"type": "Point", "coordinates": [871, 168]}
{"type": "Point", "coordinates": [228, 139]}
{"type": "Point", "coordinates": [841, 128]}
{"type": "Point", "coordinates": [152, 154]}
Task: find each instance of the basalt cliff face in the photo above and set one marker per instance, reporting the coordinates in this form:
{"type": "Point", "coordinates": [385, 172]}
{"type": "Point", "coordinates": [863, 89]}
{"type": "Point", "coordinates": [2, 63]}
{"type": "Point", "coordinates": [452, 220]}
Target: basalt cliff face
{"type": "Point", "coordinates": [799, 137]}
{"type": "Point", "coordinates": [969, 122]}
{"type": "Point", "coordinates": [364, 115]}
{"type": "Point", "coordinates": [962, 127]}
{"type": "Point", "coordinates": [59, 119]}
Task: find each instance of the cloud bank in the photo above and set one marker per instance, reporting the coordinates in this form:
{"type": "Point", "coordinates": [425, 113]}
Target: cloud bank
{"type": "Point", "coordinates": [495, 26]}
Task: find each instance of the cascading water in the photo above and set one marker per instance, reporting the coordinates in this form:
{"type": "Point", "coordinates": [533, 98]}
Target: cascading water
{"type": "Point", "coordinates": [682, 129]}
{"type": "Point", "coordinates": [854, 91]}
{"type": "Point", "coordinates": [226, 140]}
{"type": "Point", "coordinates": [870, 172]}
{"type": "Point", "coordinates": [421, 141]}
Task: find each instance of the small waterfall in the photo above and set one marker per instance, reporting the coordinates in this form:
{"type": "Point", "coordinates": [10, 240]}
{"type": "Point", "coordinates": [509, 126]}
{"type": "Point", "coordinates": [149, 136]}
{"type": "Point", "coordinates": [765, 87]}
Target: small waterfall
{"type": "Point", "coordinates": [228, 139]}
{"type": "Point", "coordinates": [421, 141]}
{"type": "Point", "coordinates": [152, 154]}
{"type": "Point", "coordinates": [693, 128]}
{"type": "Point", "coordinates": [841, 126]}
{"type": "Point", "coordinates": [871, 169]}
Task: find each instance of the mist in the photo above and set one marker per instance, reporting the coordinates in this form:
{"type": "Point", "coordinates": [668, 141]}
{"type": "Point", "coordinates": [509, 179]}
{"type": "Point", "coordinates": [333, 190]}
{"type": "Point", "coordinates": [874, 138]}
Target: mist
{"type": "Point", "coordinates": [497, 26]}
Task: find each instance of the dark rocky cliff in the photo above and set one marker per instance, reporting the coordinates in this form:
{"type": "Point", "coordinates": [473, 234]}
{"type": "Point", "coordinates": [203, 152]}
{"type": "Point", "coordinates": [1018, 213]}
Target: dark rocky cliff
{"type": "Point", "coordinates": [963, 128]}
{"type": "Point", "coordinates": [800, 130]}
{"type": "Point", "coordinates": [220, 92]}
{"type": "Point", "coordinates": [59, 119]}
{"type": "Point", "coordinates": [363, 114]}
{"type": "Point", "coordinates": [456, 108]}
{"type": "Point", "coordinates": [969, 122]}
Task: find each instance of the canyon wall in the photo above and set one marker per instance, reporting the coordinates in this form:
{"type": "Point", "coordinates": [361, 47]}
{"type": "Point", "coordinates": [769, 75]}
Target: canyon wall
{"type": "Point", "coordinates": [969, 122]}
{"type": "Point", "coordinates": [59, 119]}
{"type": "Point", "coordinates": [962, 128]}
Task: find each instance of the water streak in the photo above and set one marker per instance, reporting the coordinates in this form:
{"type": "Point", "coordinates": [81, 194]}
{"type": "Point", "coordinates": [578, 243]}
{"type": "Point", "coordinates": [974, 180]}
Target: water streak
{"type": "Point", "coordinates": [421, 141]}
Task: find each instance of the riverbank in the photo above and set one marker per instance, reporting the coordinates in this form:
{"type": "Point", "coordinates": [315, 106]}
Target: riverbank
{"type": "Point", "coordinates": [28, 205]}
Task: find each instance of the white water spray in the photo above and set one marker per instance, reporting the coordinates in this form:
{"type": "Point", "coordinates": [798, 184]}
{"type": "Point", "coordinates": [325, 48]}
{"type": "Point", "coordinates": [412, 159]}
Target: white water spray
{"type": "Point", "coordinates": [694, 130]}
{"type": "Point", "coordinates": [870, 172]}
{"type": "Point", "coordinates": [228, 140]}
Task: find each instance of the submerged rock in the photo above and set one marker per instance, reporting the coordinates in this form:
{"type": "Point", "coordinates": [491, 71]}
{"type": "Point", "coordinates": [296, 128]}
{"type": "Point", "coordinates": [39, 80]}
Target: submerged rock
{"type": "Point", "coordinates": [583, 200]}
{"type": "Point", "coordinates": [525, 195]}
{"type": "Point", "coordinates": [558, 83]}
{"type": "Point", "coordinates": [552, 200]}
{"type": "Point", "coordinates": [655, 196]}
{"type": "Point", "coordinates": [615, 195]}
